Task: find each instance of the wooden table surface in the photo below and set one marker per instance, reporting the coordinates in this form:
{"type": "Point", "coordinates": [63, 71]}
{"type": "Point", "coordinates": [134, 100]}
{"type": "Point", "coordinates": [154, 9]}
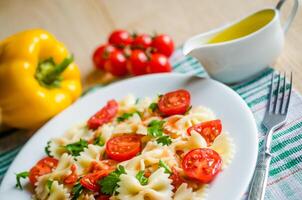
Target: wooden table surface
{"type": "Point", "coordinates": [84, 24]}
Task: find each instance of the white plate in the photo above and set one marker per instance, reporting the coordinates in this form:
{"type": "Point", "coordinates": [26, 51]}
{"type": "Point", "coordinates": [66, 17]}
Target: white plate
{"type": "Point", "coordinates": [236, 117]}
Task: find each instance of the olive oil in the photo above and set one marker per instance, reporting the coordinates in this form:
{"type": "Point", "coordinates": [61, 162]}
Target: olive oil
{"type": "Point", "coordinates": [244, 27]}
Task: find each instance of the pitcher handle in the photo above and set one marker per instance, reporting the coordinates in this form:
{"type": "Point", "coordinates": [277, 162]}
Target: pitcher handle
{"type": "Point", "coordinates": [292, 14]}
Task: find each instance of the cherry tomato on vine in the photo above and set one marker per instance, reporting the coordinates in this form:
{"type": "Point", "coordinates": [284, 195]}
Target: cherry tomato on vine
{"type": "Point", "coordinates": [120, 38]}
{"type": "Point", "coordinates": [116, 63]}
{"type": "Point", "coordinates": [163, 44]}
{"type": "Point", "coordinates": [142, 41]}
{"type": "Point", "coordinates": [101, 54]}
{"type": "Point", "coordinates": [137, 62]}
{"type": "Point", "coordinates": [158, 63]}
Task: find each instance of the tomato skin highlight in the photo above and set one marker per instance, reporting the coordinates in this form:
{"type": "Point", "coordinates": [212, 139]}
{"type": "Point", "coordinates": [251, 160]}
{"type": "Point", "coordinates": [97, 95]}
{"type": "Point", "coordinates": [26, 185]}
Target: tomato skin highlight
{"type": "Point", "coordinates": [137, 63]}
{"type": "Point", "coordinates": [208, 130]}
{"type": "Point", "coordinates": [116, 63]}
{"type": "Point", "coordinates": [158, 63]}
{"type": "Point", "coordinates": [124, 147]}
{"type": "Point", "coordinates": [175, 102]}
{"type": "Point", "coordinates": [142, 41]}
{"type": "Point", "coordinates": [101, 54]}
{"type": "Point", "coordinates": [202, 164]}
{"type": "Point", "coordinates": [104, 115]}
{"type": "Point", "coordinates": [90, 181]}
{"type": "Point", "coordinates": [120, 38]}
{"type": "Point", "coordinates": [43, 166]}
{"type": "Point", "coordinates": [163, 44]}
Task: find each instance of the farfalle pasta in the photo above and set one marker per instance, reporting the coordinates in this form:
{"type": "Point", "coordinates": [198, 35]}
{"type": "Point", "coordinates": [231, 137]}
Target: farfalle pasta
{"type": "Point", "coordinates": [138, 148]}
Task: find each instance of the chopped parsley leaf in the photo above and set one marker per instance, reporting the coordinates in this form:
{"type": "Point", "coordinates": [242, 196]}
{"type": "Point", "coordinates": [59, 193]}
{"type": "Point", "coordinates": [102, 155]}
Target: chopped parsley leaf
{"type": "Point", "coordinates": [76, 191]}
{"type": "Point", "coordinates": [76, 148]}
{"type": "Point", "coordinates": [165, 166]}
{"type": "Point", "coordinates": [46, 149]}
{"type": "Point", "coordinates": [153, 107]}
{"type": "Point", "coordinates": [49, 184]}
{"type": "Point", "coordinates": [140, 176]}
{"type": "Point", "coordinates": [164, 140]}
{"type": "Point", "coordinates": [109, 183]}
{"type": "Point", "coordinates": [99, 141]}
{"type": "Point", "coordinates": [18, 179]}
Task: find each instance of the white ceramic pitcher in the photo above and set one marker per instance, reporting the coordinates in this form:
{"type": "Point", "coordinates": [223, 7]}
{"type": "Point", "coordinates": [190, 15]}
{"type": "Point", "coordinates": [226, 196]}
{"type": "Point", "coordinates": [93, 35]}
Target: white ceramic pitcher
{"type": "Point", "coordinates": [235, 60]}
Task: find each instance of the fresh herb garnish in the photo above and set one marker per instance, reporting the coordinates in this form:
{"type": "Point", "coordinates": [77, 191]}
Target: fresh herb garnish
{"type": "Point", "coordinates": [49, 184]}
{"type": "Point", "coordinates": [109, 183]}
{"type": "Point", "coordinates": [153, 107]}
{"type": "Point", "coordinates": [160, 95]}
{"type": "Point", "coordinates": [47, 149]}
{"type": "Point", "coordinates": [126, 116]}
{"type": "Point", "coordinates": [76, 191]}
{"type": "Point", "coordinates": [164, 140]}
{"type": "Point", "coordinates": [140, 176]}
{"type": "Point", "coordinates": [165, 166]}
{"type": "Point", "coordinates": [76, 148]}
{"type": "Point", "coordinates": [155, 129]}
{"type": "Point", "coordinates": [18, 179]}
{"type": "Point", "coordinates": [99, 141]}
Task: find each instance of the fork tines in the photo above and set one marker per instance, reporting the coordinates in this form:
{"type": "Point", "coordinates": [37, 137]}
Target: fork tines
{"type": "Point", "coordinates": [279, 103]}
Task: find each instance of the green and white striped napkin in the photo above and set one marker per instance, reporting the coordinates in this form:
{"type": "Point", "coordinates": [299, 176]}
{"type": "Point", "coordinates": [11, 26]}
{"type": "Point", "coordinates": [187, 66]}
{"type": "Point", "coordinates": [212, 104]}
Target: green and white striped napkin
{"type": "Point", "coordinates": [285, 177]}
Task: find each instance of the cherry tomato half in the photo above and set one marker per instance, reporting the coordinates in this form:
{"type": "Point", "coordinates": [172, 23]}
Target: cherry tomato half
{"type": "Point", "coordinates": [107, 165]}
{"type": "Point", "coordinates": [137, 63]}
{"type": "Point", "coordinates": [73, 177]}
{"type": "Point", "coordinates": [44, 166]}
{"type": "Point", "coordinates": [208, 130]}
{"type": "Point", "coordinates": [163, 44]}
{"type": "Point", "coordinates": [177, 180]}
{"type": "Point", "coordinates": [158, 63]}
{"type": "Point", "coordinates": [116, 63]}
{"type": "Point", "coordinates": [120, 38]}
{"type": "Point", "coordinates": [90, 181]}
{"type": "Point", "coordinates": [142, 41]}
{"type": "Point", "coordinates": [105, 115]}
{"type": "Point", "coordinates": [202, 164]}
{"type": "Point", "coordinates": [102, 197]}
{"type": "Point", "coordinates": [173, 103]}
{"type": "Point", "coordinates": [101, 54]}
{"type": "Point", "coordinates": [123, 147]}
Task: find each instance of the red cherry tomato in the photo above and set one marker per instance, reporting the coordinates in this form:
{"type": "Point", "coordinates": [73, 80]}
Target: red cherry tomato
{"type": "Point", "coordinates": [208, 130]}
{"type": "Point", "coordinates": [174, 103]}
{"type": "Point", "coordinates": [101, 54]}
{"type": "Point", "coordinates": [107, 165]}
{"type": "Point", "coordinates": [103, 197]}
{"type": "Point", "coordinates": [137, 63]}
{"type": "Point", "coordinates": [90, 181]}
{"type": "Point", "coordinates": [142, 41]}
{"type": "Point", "coordinates": [123, 147]}
{"type": "Point", "coordinates": [105, 115]}
{"type": "Point", "coordinates": [163, 44]}
{"type": "Point", "coordinates": [116, 63]}
{"type": "Point", "coordinates": [44, 166]}
{"type": "Point", "coordinates": [120, 38]}
{"type": "Point", "coordinates": [73, 177]}
{"type": "Point", "coordinates": [202, 164]}
{"type": "Point", "coordinates": [158, 63]}
{"type": "Point", "coordinates": [177, 180]}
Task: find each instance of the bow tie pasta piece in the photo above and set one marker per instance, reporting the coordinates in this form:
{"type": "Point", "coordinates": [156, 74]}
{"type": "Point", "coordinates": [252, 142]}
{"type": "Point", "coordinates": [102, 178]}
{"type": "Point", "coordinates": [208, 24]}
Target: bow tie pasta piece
{"type": "Point", "coordinates": [90, 154]}
{"type": "Point", "coordinates": [225, 147]}
{"type": "Point", "coordinates": [86, 197]}
{"type": "Point", "coordinates": [56, 145]}
{"type": "Point", "coordinates": [127, 104]}
{"type": "Point", "coordinates": [128, 126]}
{"type": "Point", "coordinates": [185, 144]}
{"type": "Point", "coordinates": [158, 188]}
{"type": "Point", "coordinates": [53, 191]}
{"type": "Point", "coordinates": [186, 193]}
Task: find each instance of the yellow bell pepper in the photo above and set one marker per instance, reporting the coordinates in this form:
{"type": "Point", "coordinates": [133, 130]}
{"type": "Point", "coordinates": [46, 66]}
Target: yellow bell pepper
{"type": "Point", "coordinates": [38, 78]}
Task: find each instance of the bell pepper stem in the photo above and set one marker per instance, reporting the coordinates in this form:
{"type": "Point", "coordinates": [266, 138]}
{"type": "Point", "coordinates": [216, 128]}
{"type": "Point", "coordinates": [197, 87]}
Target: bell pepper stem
{"type": "Point", "coordinates": [48, 73]}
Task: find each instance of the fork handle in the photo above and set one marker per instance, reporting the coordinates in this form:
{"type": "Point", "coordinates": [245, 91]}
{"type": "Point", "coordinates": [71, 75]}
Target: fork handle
{"type": "Point", "coordinates": [258, 186]}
